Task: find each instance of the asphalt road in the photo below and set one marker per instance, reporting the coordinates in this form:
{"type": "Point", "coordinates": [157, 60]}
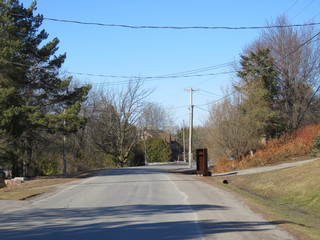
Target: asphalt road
{"type": "Point", "coordinates": [137, 203]}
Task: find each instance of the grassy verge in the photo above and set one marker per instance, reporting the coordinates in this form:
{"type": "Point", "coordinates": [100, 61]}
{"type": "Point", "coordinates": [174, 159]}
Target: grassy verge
{"type": "Point", "coordinates": [31, 188]}
{"type": "Point", "coordinates": [289, 196]}
{"type": "Point", "coordinates": [37, 186]}
{"type": "Point", "coordinates": [22, 194]}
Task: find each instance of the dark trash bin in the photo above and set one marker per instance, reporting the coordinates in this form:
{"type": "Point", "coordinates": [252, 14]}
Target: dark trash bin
{"type": "Point", "coordinates": [202, 162]}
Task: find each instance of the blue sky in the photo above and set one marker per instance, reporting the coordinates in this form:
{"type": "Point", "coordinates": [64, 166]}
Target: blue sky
{"type": "Point", "coordinates": [154, 52]}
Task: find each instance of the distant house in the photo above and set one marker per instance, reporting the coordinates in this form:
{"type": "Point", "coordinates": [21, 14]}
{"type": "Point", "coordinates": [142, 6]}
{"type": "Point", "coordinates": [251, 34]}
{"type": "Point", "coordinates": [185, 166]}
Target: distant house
{"type": "Point", "coordinates": [167, 137]}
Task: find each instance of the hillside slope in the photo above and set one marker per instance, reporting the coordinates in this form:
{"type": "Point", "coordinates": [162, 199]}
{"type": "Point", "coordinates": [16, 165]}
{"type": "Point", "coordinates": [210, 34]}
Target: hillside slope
{"type": "Point", "coordinates": [291, 195]}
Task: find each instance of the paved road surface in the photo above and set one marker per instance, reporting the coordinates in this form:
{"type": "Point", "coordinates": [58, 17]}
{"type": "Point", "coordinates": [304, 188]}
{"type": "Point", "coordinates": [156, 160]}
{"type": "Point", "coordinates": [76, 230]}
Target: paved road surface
{"type": "Point", "coordinates": [137, 203]}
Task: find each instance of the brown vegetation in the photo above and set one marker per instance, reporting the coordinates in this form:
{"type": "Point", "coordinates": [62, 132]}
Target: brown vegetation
{"type": "Point", "coordinates": [39, 185]}
{"type": "Point", "coordinates": [288, 147]}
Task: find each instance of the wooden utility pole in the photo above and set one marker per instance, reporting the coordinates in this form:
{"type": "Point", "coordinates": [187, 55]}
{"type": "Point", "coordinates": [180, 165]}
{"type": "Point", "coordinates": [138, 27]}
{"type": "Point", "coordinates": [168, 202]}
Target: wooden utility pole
{"type": "Point", "coordinates": [184, 143]}
{"type": "Point", "coordinates": [145, 149]}
{"type": "Point", "coordinates": [65, 161]}
{"type": "Point", "coordinates": [190, 127]}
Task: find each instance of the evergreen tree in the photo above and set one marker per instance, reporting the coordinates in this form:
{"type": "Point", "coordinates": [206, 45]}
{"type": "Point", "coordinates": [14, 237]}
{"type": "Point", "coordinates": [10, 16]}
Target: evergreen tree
{"type": "Point", "coordinates": [158, 150]}
{"type": "Point", "coordinates": [33, 96]}
{"type": "Point", "coordinates": [258, 86]}
{"type": "Point", "coordinates": [297, 64]}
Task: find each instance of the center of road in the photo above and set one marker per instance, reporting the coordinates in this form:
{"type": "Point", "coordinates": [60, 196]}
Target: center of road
{"type": "Point", "coordinates": [138, 203]}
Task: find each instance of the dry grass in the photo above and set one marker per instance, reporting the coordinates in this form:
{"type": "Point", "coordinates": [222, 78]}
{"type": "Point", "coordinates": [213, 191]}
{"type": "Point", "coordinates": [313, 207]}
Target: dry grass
{"type": "Point", "coordinates": [289, 147]}
{"type": "Point", "coordinates": [290, 195]}
{"type": "Point", "coordinates": [31, 188]}
{"type": "Point", "coordinates": [37, 186]}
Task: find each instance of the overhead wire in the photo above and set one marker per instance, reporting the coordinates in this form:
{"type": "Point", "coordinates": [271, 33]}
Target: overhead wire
{"type": "Point", "coordinates": [202, 109]}
{"type": "Point", "coordinates": [146, 78]}
{"type": "Point", "coordinates": [280, 60]}
{"type": "Point", "coordinates": [204, 69]}
{"type": "Point", "coordinates": [292, 5]}
{"type": "Point", "coordinates": [303, 9]}
{"type": "Point", "coordinates": [296, 49]}
{"type": "Point", "coordinates": [185, 74]}
{"type": "Point", "coordinates": [208, 92]}
{"type": "Point", "coordinates": [168, 27]}
{"type": "Point", "coordinates": [177, 76]}
{"type": "Point", "coordinates": [218, 100]}
{"type": "Point", "coordinates": [190, 73]}
{"type": "Point", "coordinates": [317, 14]}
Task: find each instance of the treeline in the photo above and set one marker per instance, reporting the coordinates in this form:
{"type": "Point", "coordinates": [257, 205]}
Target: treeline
{"type": "Point", "coordinates": [276, 91]}
{"type": "Point", "coordinates": [35, 101]}
{"type": "Point", "coordinates": [48, 121]}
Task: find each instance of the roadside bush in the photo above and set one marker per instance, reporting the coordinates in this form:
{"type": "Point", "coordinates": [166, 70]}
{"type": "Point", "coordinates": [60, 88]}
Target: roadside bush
{"type": "Point", "coordinates": [316, 146]}
{"type": "Point", "coordinates": [48, 166]}
{"type": "Point", "coordinates": [223, 165]}
{"type": "Point", "coordinates": [136, 156]}
{"type": "Point", "coordinates": [299, 144]}
{"type": "Point", "coordinates": [158, 150]}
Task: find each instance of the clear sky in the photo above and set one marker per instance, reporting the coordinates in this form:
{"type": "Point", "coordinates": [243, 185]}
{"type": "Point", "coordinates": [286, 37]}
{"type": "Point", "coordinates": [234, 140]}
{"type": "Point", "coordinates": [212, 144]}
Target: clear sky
{"type": "Point", "coordinates": [154, 52]}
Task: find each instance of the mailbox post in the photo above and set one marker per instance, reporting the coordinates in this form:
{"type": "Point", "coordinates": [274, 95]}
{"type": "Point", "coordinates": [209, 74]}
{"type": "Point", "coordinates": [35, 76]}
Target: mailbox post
{"type": "Point", "coordinates": [202, 162]}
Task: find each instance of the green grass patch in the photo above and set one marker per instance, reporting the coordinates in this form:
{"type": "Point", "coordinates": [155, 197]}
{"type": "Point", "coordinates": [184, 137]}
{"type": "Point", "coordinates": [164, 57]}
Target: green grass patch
{"type": "Point", "coordinates": [291, 195]}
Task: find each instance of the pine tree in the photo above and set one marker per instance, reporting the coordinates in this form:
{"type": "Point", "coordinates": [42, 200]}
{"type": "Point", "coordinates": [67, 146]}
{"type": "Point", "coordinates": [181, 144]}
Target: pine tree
{"type": "Point", "coordinates": [258, 85]}
{"type": "Point", "coordinates": [33, 96]}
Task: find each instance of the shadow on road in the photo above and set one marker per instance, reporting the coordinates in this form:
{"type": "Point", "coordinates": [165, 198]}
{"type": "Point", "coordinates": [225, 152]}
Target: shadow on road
{"type": "Point", "coordinates": [116, 222]}
{"type": "Point", "coordinates": [129, 171]}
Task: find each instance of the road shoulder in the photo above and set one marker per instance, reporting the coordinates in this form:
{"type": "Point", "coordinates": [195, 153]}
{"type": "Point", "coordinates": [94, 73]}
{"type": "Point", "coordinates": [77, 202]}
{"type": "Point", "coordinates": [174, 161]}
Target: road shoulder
{"type": "Point", "coordinates": [228, 217]}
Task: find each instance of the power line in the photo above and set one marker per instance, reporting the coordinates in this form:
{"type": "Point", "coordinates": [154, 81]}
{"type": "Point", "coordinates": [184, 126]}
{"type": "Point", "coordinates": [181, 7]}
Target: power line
{"type": "Point", "coordinates": [202, 109]}
{"type": "Point", "coordinates": [218, 100]}
{"type": "Point", "coordinates": [303, 9]}
{"type": "Point", "coordinates": [185, 106]}
{"type": "Point", "coordinates": [300, 46]}
{"type": "Point", "coordinates": [168, 95]}
{"type": "Point", "coordinates": [317, 14]}
{"type": "Point", "coordinates": [291, 7]}
{"type": "Point", "coordinates": [209, 92]}
{"type": "Point", "coordinates": [280, 60]}
{"type": "Point", "coordinates": [169, 27]}
{"type": "Point", "coordinates": [146, 78]}
{"type": "Point", "coordinates": [204, 69]}
{"type": "Point", "coordinates": [174, 75]}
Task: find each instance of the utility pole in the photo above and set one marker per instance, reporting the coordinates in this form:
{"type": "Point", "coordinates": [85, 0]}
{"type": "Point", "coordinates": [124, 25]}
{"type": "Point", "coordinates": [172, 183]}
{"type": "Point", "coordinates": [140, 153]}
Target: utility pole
{"type": "Point", "coordinates": [65, 161]}
{"type": "Point", "coordinates": [64, 150]}
{"type": "Point", "coordinates": [190, 127]}
{"type": "Point", "coordinates": [184, 142]}
{"type": "Point", "coordinates": [145, 149]}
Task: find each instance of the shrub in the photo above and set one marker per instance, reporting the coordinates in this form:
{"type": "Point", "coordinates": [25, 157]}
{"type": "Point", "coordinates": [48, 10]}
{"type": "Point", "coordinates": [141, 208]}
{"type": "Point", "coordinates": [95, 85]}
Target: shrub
{"type": "Point", "coordinates": [48, 166]}
{"type": "Point", "coordinates": [136, 156]}
{"type": "Point", "coordinates": [296, 145]}
{"type": "Point", "coordinates": [224, 165]}
{"type": "Point", "coordinates": [158, 150]}
{"type": "Point", "coordinates": [316, 146]}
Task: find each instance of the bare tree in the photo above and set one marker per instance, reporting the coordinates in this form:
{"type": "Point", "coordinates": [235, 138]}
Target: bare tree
{"type": "Point", "coordinates": [114, 125]}
{"type": "Point", "coordinates": [230, 133]}
{"type": "Point", "coordinates": [171, 122]}
{"type": "Point", "coordinates": [296, 55]}
{"type": "Point", "coordinates": [153, 116]}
